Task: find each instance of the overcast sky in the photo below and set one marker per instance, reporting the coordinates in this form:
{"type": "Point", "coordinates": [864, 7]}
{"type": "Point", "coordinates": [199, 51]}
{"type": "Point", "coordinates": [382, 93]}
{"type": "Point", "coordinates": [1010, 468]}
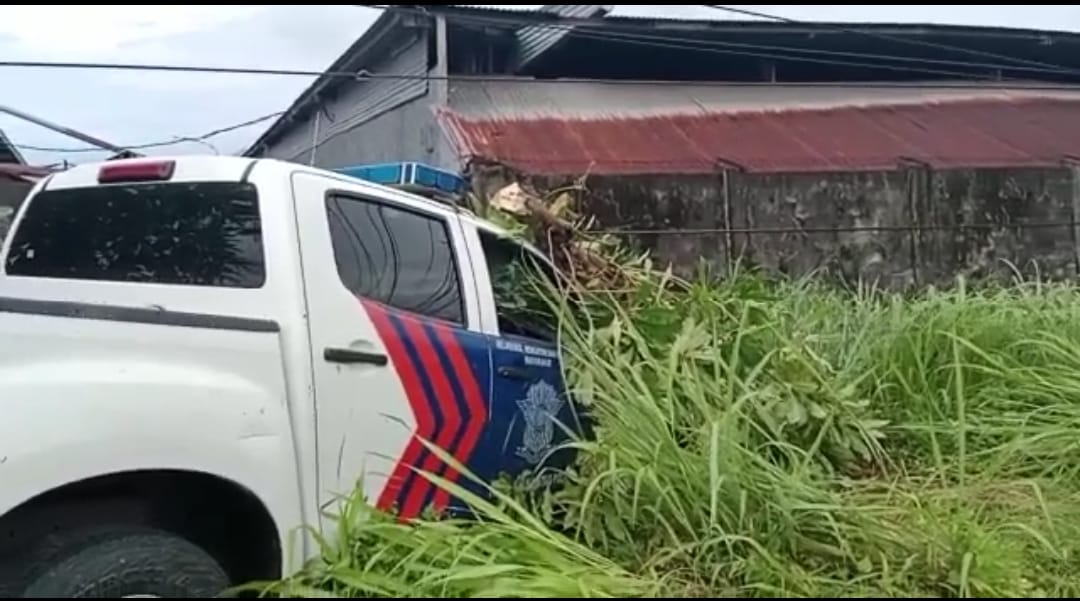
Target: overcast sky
{"type": "Point", "coordinates": [131, 108]}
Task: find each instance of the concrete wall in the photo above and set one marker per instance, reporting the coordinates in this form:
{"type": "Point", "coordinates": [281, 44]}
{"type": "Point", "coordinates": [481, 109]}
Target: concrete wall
{"type": "Point", "coordinates": [911, 227]}
{"type": "Point", "coordinates": [900, 229]}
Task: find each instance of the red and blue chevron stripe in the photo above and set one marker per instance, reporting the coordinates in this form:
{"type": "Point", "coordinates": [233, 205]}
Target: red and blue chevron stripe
{"type": "Point", "coordinates": [445, 397]}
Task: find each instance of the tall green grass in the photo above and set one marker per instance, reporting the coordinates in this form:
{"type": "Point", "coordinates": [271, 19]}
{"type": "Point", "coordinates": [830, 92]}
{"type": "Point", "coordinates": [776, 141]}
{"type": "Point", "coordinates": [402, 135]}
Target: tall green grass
{"type": "Point", "coordinates": [764, 438]}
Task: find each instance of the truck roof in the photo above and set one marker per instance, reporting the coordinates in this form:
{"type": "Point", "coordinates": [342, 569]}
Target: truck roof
{"type": "Point", "coordinates": [186, 169]}
{"type": "Point", "coordinates": [192, 168]}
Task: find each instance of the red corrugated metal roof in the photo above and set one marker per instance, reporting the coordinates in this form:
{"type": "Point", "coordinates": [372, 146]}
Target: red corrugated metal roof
{"type": "Point", "coordinates": [1029, 132]}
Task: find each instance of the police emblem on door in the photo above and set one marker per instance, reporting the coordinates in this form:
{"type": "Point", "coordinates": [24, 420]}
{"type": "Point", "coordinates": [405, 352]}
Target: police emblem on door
{"type": "Point", "coordinates": [539, 408]}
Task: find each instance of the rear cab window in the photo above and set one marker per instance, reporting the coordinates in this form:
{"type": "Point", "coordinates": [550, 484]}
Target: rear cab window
{"type": "Point", "coordinates": [190, 234]}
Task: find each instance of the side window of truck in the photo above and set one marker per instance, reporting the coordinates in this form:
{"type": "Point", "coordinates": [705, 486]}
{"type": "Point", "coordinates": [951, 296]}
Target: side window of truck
{"type": "Point", "coordinates": [520, 309]}
{"type": "Point", "coordinates": [395, 256]}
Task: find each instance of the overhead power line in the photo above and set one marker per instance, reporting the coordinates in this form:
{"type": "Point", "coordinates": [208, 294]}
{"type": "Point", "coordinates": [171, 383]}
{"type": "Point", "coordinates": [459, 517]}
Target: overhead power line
{"type": "Point", "coordinates": [171, 68]}
{"type": "Point", "coordinates": [611, 33]}
{"type": "Point", "coordinates": [177, 140]}
{"type": "Point", "coordinates": [578, 27]}
{"type": "Point", "coordinates": [622, 34]}
{"type": "Point", "coordinates": [365, 75]}
{"type": "Point", "coordinates": [656, 40]}
{"type": "Point", "coordinates": [891, 38]}
{"type": "Point", "coordinates": [704, 48]}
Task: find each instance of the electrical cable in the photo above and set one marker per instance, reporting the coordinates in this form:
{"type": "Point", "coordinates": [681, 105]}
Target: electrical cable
{"type": "Point", "coordinates": [881, 36]}
{"type": "Point", "coordinates": [363, 75]}
{"type": "Point", "coordinates": [619, 31]}
{"type": "Point", "coordinates": [174, 141]}
{"type": "Point", "coordinates": [610, 35]}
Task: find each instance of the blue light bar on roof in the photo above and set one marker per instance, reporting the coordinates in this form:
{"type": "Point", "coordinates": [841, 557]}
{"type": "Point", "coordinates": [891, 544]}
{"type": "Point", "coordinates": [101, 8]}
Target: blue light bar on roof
{"type": "Point", "coordinates": [413, 177]}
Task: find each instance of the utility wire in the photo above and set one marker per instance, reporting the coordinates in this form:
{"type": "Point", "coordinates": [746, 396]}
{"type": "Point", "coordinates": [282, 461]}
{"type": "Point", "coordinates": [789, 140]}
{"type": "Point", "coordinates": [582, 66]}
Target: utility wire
{"type": "Point", "coordinates": [363, 75]}
{"type": "Point", "coordinates": [710, 50]}
{"type": "Point", "coordinates": [647, 40]}
{"type": "Point", "coordinates": [177, 140]}
{"type": "Point", "coordinates": [175, 68]}
{"type": "Point", "coordinates": [705, 46]}
{"type": "Point", "coordinates": [881, 36]}
{"type": "Point", "coordinates": [606, 35]}
{"type": "Point", "coordinates": [683, 44]}
{"type": "Point", "coordinates": [618, 31]}
{"type": "Point", "coordinates": [838, 229]}
{"type": "Point", "coordinates": [330, 136]}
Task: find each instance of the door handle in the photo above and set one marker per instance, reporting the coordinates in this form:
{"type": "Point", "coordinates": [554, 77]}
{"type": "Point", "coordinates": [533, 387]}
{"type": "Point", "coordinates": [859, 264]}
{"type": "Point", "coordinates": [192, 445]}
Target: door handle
{"type": "Point", "coordinates": [344, 355]}
{"type": "Point", "coordinates": [515, 373]}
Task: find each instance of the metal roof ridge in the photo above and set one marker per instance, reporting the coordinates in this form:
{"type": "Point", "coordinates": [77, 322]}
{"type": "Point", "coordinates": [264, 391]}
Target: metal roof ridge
{"type": "Point", "coordinates": [825, 106]}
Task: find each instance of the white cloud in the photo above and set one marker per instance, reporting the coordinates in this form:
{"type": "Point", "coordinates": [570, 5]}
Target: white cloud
{"type": "Point", "coordinates": [75, 29]}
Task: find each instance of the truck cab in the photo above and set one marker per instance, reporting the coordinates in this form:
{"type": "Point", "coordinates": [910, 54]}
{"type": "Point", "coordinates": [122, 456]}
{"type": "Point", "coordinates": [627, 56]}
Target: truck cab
{"type": "Point", "coordinates": [201, 355]}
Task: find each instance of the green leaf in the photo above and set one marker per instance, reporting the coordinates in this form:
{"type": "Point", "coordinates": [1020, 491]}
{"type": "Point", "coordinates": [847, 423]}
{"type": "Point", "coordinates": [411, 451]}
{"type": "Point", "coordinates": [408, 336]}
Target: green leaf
{"type": "Point", "coordinates": [796, 412]}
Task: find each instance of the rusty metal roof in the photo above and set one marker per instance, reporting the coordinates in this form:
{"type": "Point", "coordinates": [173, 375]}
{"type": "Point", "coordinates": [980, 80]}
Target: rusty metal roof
{"type": "Point", "coordinates": [971, 133]}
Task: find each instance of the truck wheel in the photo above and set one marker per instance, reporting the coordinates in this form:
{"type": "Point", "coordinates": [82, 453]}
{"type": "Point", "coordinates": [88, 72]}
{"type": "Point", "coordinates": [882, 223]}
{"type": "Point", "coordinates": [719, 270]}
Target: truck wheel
{"type": "Point", "coordinates": [144, 563]}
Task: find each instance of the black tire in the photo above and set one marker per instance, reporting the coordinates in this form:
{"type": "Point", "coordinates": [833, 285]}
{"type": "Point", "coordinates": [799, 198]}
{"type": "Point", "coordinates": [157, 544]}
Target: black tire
{"type": "Point", "coordinates": [130, 562]}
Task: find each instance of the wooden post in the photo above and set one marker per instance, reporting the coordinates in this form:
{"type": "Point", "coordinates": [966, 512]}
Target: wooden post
{"type": "Point", "coordinates": [729, 237]}
{"type": "Point", "coordinates": [918, 183]}
{"type": "Point", "coordinates": [1074, 213]}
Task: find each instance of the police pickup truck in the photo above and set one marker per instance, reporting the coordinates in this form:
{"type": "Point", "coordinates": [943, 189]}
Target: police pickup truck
{"type": "Point", "coordinates": [201, 355]}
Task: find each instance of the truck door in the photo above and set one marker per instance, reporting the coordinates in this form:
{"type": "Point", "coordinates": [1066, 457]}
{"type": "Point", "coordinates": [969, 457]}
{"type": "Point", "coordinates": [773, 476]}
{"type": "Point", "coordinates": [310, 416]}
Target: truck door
{"type": "Point", "coordinates": [397, 350]}
{"type": "Point", "coordinates": [530, 410]}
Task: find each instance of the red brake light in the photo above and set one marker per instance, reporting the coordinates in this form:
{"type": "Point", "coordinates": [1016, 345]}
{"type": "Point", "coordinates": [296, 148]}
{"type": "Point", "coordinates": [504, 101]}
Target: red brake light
{"type": "Point", "coordinates": [136, 171]}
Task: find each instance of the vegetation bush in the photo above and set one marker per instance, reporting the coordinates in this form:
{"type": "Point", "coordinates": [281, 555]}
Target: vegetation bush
{"type": "Point", "coordinates": [758, 437]}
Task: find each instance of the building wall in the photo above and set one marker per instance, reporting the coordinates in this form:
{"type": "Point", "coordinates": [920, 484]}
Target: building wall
{"type": "Point", "coordinates": [374, 120]}
{"type": "Point", "coordinates": [900, 229]}
{"type": "Point", "coordinates": [406, 133]}
{"type": "Point", "coordinates": [913, 227]}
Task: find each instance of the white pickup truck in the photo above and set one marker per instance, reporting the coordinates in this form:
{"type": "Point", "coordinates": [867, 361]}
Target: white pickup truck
{"type": "Point", "coordinates": [200, 355]}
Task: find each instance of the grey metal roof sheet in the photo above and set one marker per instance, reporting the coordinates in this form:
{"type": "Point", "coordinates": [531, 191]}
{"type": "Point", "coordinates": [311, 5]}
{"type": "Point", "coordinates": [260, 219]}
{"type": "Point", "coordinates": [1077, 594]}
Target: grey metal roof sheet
{"type": "Point", "coordinates": [538, 39]}
{"type": "Point", "coordinates": [515, 98]}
